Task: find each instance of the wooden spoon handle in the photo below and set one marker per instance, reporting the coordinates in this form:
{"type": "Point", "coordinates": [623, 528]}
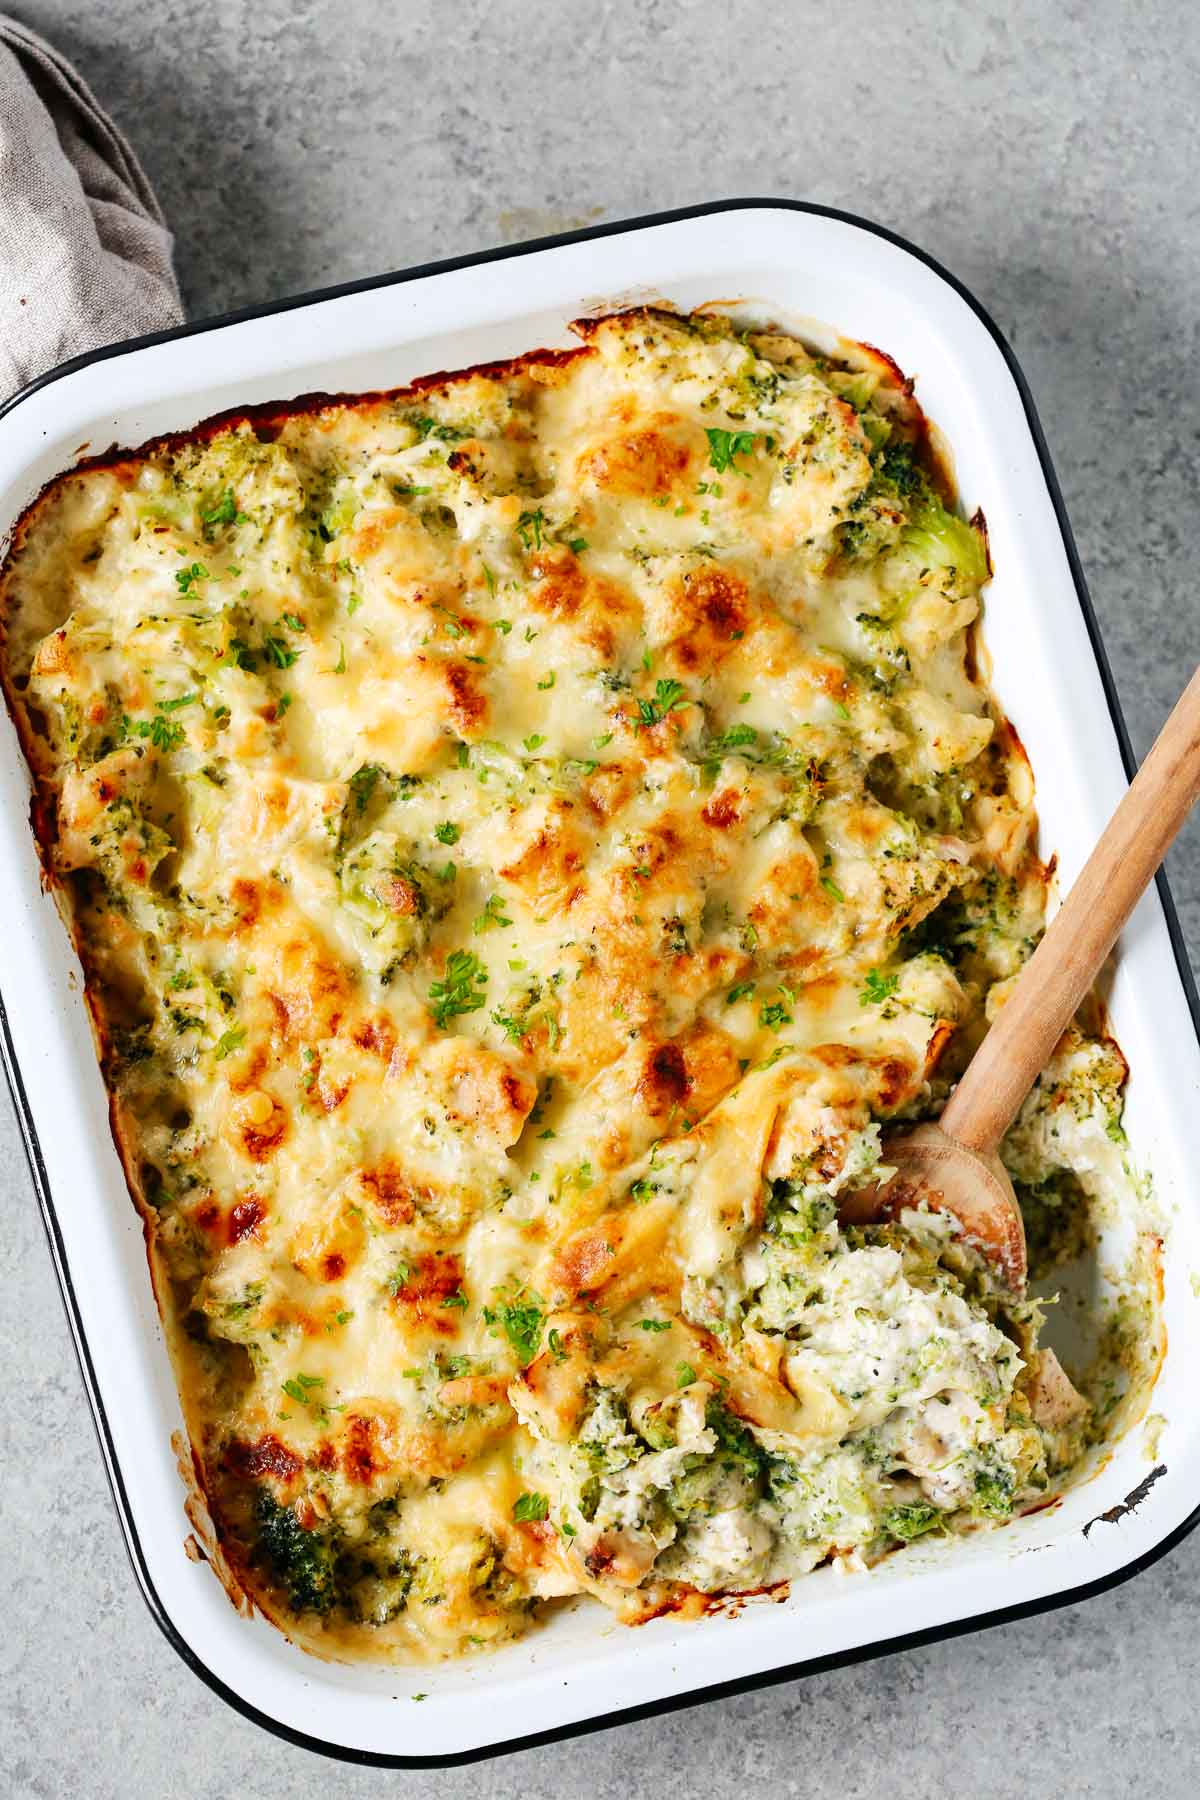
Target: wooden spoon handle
{"type": "Point", "coordinates": [1083, 931]}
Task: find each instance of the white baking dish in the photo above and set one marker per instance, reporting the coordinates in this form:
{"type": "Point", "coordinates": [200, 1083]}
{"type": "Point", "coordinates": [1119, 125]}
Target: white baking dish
{"type": "Point", "coordinates": [793, 263]}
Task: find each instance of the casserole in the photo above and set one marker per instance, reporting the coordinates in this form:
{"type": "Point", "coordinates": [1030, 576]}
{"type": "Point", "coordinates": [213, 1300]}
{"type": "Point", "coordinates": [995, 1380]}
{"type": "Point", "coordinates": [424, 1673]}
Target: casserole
{"type": "Point", "coordinates": [1044, 674]}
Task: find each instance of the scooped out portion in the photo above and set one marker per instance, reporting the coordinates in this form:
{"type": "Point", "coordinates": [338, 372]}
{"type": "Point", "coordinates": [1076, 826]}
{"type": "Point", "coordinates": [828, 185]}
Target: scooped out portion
{"type": "Point", "coordinates": [527, 835]}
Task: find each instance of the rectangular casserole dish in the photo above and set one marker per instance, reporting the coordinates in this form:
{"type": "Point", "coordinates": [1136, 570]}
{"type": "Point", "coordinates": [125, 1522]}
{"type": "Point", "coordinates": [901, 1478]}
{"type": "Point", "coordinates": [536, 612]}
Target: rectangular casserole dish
{"type": "Point", "coordinates": [798, 265]}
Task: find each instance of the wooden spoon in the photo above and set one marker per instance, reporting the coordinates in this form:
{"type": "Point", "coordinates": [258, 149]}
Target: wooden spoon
{"type": "Point", "coordinates": [954, 1163]}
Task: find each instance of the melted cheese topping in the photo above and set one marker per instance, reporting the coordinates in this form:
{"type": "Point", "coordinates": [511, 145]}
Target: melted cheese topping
{"type": "Point", "coordinates": [523, 836]}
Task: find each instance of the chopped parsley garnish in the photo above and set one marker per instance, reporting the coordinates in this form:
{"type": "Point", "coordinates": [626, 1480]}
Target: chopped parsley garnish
{"type": "Point", "coordinates": [685, 1375]}
{"type": "Point", "coordinates": [187, 577]}
{"type": "Point", "coordinates": [654, 1324]}
{"type": "Point", "coordinates": [300, 1388]}
{"type": "Point", "coordinates": [528, 1507]}
{"type": "Point", "coordinates": [741, 992]}
{"type": "Point", "coordinates": [723, 446]}
{"type": "Point", "coordinates": [774, 1013]}
{"type": "Point", "coordinates": [530, 526]}
{"type": "Point", "coordinates": [164, 734]}
{"type": "Point", "coordinates": [447, 833]}
{"type": "Point", "coordinates": [225, 512]}
{"type": "Point", "coordinates": [492, 917]}
{"type": "Point", "coordinates": [229, 1041]}
{"type": "Point", "coordinates": [278, 650]}
{"type": "Point", "coordinates": [241, 654]}
{"type": "Point", "coordinates": [461, 989]}
{"type": "Point", "coordinates": [362, 785]}
{"type": "Point", "coordinates": [452, 625]}
{"type": "Point", "coordinates": [521, 1321]}
{"type": "Point", "coordinates": [736, 738]}
{"type": "Point", "coordinates": [832, 889]}
{"type": "Point", "coordinates": [877, 987]}
{"type": "Point", "coordinates": [399, 1278]}
{"type": "Point", "coordinates": [669, 697]}
{"type": "Point", "coordinates": [548, 682]}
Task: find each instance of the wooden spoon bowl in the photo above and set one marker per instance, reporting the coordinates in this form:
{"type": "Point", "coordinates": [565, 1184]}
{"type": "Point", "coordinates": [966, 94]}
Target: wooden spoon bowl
{"type": "Point", "coordinates": [932, 1168]}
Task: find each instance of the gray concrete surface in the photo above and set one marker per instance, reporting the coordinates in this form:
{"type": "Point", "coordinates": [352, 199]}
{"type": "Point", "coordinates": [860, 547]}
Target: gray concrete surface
{"type": "Point", "coordinates": [1047, 154]}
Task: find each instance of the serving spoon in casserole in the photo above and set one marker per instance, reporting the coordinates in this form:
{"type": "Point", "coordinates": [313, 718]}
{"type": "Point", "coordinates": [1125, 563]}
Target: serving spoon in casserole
{"type": "Point", "coordinates": [953, 1164]}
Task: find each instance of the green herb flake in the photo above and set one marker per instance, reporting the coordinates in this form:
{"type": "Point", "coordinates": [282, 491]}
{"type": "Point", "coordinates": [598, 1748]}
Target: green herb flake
{"type": "Point", "coordinates": [723, 446]}
{"type": "Point", "coordinates": [521, 1321]}
{"type": "Point", "coordinates": [461, 989]}
{"type": "Point", "coordinates": [774, 1014]}
{"type": "Point", "coordinates": [187, 577]}
{"type": "Point", "coordinates": [530, 527]}
{"type": "Point", "coordinates": [163, 733]}
{"type": "Point", "coordinates": [278, 650]}
{"type": "Point", "coordinates": [225, 512]}
{"type": "Point", "coordinates": [877, 987]}
{"type": "Point", "coordinates": [669, 697]}
{"type": "Point", "coordinates": [492, 917]}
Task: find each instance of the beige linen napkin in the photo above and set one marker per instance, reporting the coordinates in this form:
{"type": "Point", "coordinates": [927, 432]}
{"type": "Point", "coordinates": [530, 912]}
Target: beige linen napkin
{"type": "Point", "coordinates": [85, 254]}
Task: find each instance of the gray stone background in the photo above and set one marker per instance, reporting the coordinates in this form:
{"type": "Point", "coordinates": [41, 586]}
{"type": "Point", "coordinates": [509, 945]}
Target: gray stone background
{"type": "Point", "coordinates": [1046, 153]}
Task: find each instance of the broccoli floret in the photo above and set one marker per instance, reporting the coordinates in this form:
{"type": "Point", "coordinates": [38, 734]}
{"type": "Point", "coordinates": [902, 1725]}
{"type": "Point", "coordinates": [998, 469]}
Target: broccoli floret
{"type": "Point", "coordinates": [899, 511]}
{"type": "Point", "coordinates": [940, 540]}
{"type": "Point", "coordinates": [737, 1445]}
{"type": "Point", "coordinates": [913, 1521]}
{"type": "Point", "coordinates": [376, 1584]}
{"type": "Point", "coordinates": [855, 385]}
{"type": "Point", "coordinates": [879, 511]}
{"type": "Point", "coordinates": [898, 468]}
{"type": "Point", "coordinates": [993, 1493]}
{"type": "Point", "coordinates": [300, 1561]}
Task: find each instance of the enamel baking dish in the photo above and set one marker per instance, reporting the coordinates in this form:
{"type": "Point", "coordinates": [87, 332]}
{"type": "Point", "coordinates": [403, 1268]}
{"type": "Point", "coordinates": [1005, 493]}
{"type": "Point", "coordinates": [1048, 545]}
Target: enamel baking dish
{"type": "Point", "coordinates": [821, 272]}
